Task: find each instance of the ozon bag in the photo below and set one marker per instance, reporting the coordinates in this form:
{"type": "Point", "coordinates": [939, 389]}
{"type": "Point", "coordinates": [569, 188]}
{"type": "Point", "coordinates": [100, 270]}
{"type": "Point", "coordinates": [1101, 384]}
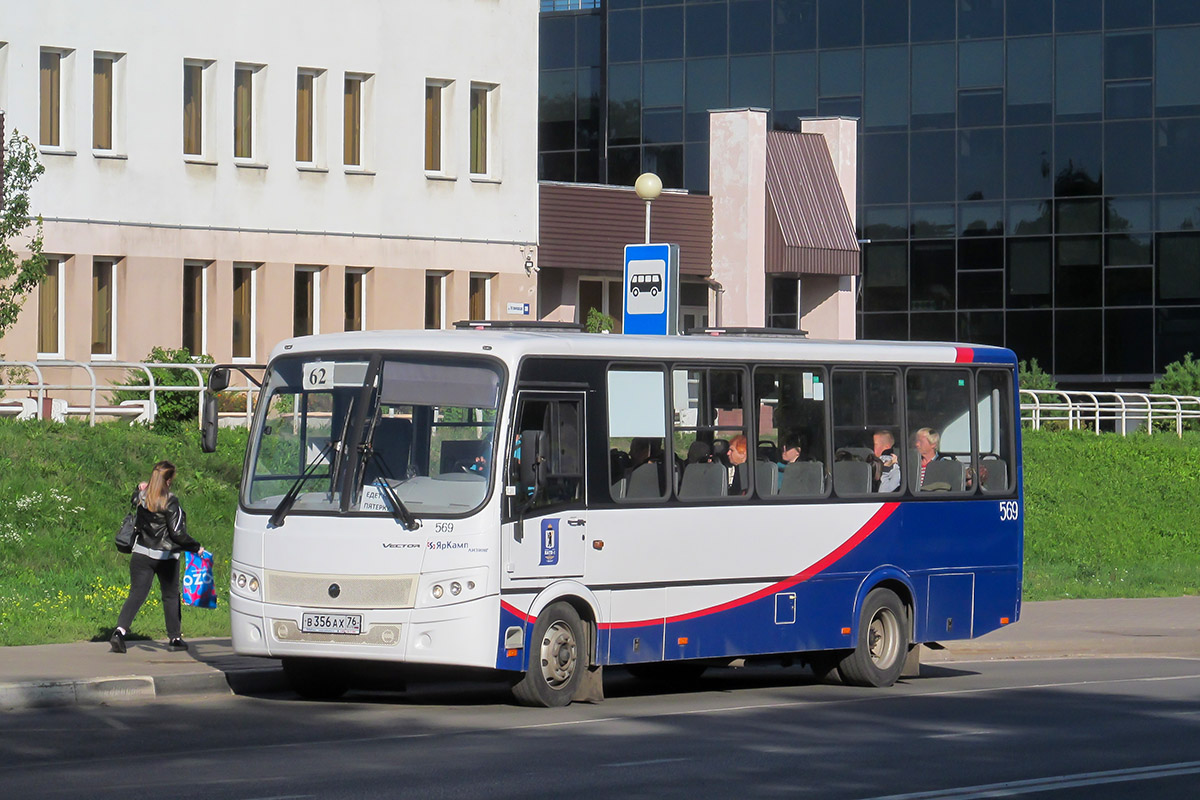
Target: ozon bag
{"type": "Point", "coordinates": [198, 588]}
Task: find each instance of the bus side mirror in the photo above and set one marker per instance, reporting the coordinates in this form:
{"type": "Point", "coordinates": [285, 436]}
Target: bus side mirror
{"type": "Point", "coordinates": [533, 464]}
{"type": "Point", "coordinates": [218, 379]}
{"type": "Point", "coordinates": [208, 421]}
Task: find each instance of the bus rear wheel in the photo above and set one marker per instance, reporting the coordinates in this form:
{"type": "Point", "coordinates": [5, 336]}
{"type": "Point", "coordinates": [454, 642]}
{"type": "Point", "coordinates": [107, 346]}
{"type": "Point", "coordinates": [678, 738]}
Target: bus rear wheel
{"type": "Point", "coordinates": [315, 679]}
{"type": "Point", "coordinates": [878, 657]}
{"type": "Point", "coordinates": [557, 660]}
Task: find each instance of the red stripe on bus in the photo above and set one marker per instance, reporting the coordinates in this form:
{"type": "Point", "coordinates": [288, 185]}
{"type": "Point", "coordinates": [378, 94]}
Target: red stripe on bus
{"type": "Point", "coordinates": [866, 530]}
{"type": "Point", "coordinates": [515, 612]}
{"type": "Point", "coordinates": [964, 355]}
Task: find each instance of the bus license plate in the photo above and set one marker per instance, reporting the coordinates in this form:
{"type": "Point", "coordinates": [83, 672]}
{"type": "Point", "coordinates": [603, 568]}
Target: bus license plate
{"type": "Point", "coordinates": [350, 624]}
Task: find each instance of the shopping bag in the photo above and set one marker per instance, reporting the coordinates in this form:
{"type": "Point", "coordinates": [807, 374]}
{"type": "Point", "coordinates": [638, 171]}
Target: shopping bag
{"type": "Point", "coordinates": [198, 587]}
{"type": "Point", "coordinates": [127, 534]}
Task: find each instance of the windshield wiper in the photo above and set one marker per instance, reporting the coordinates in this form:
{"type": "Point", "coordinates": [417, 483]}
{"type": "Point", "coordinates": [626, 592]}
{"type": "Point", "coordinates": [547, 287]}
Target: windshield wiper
{"type": "Point", "coordinates": [289, 499]}
{"type": "Point", "coordinates": [398, 509]}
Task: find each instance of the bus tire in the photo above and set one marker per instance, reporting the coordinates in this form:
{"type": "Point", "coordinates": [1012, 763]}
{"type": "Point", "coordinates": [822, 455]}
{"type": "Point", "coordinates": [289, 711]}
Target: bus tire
{"type": "Point", "coordinates": [878, 658]}
{"type": "Point", "coordinates": [558, 658]}
{"type": "Point", "coordinates": [315, 679]}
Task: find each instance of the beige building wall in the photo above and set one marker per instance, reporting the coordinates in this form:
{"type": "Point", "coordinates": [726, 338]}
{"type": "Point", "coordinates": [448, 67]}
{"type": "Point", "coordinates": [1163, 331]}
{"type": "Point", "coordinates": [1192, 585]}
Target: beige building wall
{"type": "Point", "coordinates": [149, 285]}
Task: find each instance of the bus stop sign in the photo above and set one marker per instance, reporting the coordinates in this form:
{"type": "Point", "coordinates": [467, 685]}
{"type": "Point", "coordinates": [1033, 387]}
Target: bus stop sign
{"type": "Point", "coordinates": [651, 289]}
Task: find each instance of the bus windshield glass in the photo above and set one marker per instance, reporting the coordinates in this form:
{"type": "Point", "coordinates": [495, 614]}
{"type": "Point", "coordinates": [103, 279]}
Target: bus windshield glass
{"type": "Point", "coordinates": [375, 428]}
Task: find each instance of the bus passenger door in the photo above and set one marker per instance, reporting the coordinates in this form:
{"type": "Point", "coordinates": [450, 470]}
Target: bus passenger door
{"type": "Point", "coordinates": [544, 535]}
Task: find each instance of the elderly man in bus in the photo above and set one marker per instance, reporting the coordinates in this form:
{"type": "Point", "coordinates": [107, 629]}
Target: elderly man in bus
{"type": "Point", "coordinates": [926, 441]}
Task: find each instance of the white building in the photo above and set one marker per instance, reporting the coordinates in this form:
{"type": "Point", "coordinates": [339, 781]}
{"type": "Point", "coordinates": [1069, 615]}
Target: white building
{"type": "Point", "coordinates": [225, 175]}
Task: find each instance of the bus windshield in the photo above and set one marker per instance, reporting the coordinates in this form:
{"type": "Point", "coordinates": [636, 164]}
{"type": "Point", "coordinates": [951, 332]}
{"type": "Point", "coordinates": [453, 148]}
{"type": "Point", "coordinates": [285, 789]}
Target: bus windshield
{"type": "Point", "coordinates": [355, 432]}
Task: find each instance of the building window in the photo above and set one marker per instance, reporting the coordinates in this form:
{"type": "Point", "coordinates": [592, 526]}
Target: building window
{"type": "Point", "coordinates": [433, 125]}
{"type": "Point", "coordinates": [306, 301]}
{"type": "Point", "coordinates": [356, 285]}
{"type": "Point", "coordinates": [481, 128]}
{"type": "Point", "coordinates": [103, 306]}
{"type": "Point", "coordinates": [193, 107]}
{"type": "Point", "coordinates": [603, 294]}
{"type": "Point", "coordinates": [50, 133]}
{"type": "Point", "coordinates": [354, 117]}
{"type": "Point", "coordinates": [102, 102]}
{"type": "Point", "coordinates": [50, 310]}
{"type": "Point", "coordinates": [195, 307]}
{"type": "Point", "coordinates": [246, 86]}
{"type": "Point", "coordinates": [309, 85]}
{"type": "Point", "coordinates": [435, 300]}
{"type": "Point", "coordinates": [481, 297]}
{"type": "Point", "coordinates": [244, 276]}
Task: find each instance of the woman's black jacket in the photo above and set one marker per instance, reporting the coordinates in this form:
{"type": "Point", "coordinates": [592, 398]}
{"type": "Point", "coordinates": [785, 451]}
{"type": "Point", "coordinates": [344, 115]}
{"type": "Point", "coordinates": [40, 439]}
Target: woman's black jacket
{"type": "Point", "coordinates": [164, 530]}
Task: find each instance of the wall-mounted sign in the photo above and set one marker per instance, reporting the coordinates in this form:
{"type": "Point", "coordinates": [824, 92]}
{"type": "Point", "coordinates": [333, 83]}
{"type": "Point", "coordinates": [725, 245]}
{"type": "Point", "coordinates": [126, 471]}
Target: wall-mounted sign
{"type": "Point", "coordinates": [519, 309]}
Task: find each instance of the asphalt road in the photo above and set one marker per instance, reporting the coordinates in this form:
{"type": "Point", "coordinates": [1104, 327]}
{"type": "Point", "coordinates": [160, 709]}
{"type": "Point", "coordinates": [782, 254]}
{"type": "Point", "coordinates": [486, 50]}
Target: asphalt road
{"type": "Point", "coordinates": [1072, 728]}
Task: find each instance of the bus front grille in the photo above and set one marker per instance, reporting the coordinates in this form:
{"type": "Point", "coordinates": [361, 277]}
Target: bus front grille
{"type": "Point", "coordinates": [339, 591]}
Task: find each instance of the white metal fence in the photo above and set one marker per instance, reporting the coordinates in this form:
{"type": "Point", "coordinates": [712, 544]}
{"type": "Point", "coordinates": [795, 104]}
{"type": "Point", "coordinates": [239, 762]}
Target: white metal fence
{"type": "Point", "coordinates": [59, 389]}
{"type": "Point", "coordinates": [1123, 412]}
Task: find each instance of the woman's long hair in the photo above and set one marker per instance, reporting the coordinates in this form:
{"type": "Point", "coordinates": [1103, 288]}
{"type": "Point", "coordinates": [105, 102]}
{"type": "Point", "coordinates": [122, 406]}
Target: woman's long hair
{"type": "Point", "coordinates": [158, 491]}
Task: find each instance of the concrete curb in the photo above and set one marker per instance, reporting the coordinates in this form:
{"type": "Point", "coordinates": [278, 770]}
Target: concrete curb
{"type": "Point", "coordinates": [138, 688]}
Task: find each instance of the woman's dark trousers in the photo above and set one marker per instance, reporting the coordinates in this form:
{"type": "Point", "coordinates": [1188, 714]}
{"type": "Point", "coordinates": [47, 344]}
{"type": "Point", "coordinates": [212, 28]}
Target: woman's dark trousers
{"type": "Point", "coordinates": [142, 570]}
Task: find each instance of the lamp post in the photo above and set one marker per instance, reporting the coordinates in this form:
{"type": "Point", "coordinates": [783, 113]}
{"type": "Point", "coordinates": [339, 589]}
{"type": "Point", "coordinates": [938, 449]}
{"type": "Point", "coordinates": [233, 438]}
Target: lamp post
{"type": "Point", "coordinates": [648, 187]}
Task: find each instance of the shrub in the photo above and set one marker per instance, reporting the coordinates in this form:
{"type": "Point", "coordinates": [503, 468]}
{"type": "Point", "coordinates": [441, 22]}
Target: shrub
{"type": "Point", "coordinates": [1032, 376]}
{"type": "Point", "coordinates": [175, 409]}
{"type": "Point", "coordinates": [599, 322]}
{"type": "Point", "coordinates": [1180, 378]}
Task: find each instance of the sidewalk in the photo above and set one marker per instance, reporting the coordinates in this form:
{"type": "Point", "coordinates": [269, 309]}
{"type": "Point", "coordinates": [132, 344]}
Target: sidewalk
{"type": "Point", "coordinates": [86, 673]}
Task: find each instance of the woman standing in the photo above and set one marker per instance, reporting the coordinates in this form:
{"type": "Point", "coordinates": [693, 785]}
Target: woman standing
{"type": "Point", "coordinates": [161, 536]}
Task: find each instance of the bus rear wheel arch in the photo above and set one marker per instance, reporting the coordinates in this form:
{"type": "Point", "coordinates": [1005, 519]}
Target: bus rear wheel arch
{"type": "Point", "coordinates": [559, 656]}
{"type": "Point", "coordinates": [882, 645]}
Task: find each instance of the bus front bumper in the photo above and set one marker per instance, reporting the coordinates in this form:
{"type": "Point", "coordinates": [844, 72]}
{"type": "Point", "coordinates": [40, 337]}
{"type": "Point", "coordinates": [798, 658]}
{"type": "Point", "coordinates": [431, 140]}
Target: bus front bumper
{"type": "Point", "coordinates": [462, 634]}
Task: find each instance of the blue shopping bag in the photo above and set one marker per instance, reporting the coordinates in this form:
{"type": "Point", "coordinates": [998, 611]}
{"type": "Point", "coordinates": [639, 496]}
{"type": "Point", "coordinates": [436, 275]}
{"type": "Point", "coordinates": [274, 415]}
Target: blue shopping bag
{"type": "Point", "coordinates": [198, 587]}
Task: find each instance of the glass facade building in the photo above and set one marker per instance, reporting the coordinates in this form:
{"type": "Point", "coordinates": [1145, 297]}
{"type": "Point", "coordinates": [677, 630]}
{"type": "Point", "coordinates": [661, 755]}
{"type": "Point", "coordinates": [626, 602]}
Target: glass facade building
{"type": "Point", "coordinates": [1029, 170]}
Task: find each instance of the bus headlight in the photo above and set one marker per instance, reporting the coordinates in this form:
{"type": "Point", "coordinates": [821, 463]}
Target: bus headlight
{"type": "Point", "coordinates": [452, 586]}
{"type": "Point", "coordinates": [244, 583]}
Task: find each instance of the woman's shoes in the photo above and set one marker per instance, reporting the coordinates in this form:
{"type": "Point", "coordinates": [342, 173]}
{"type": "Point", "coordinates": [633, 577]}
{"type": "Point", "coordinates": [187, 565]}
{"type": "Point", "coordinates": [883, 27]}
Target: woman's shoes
{"type": "Point", "coordinates": [117, 642]}
{"type": "Point", "coordinates": [177, 644]}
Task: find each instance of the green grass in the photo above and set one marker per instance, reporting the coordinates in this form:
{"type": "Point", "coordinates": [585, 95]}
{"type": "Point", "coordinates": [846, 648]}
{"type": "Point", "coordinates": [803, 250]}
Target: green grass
{"type": "Point", "coordinates": [1111, 516]}
{"type": "Point", "coordinates": [1106, 516]}
{"type": "Point", "coordinates": [63, 492]}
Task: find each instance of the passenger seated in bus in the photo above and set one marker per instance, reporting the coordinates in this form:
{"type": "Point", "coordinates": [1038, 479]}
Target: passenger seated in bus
{"type": "Point", "coordinates": [791, 451]}
{"type": "Point", "coordinates": [720, 451]}
{"type": "Point", "coordinates": [737, 466]}
{"type": "Point", "coordinates": [926, 441]}
{"type": "Point", "coordinates": [885, 463]}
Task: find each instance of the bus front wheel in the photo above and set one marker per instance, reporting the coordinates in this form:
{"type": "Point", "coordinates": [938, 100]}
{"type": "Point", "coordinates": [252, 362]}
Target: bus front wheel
{"type": "Point", "coordinates": [878, 657]}
{"type": "Point", "coordinates": [557, 659]}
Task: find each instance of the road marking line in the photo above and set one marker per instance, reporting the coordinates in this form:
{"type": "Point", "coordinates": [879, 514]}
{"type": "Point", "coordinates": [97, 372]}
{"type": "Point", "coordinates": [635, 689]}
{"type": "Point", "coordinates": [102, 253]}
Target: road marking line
{"type": "Point", "coordinates": [1053, 783]}
{"type": "Point", "coordinates": [643, 763]}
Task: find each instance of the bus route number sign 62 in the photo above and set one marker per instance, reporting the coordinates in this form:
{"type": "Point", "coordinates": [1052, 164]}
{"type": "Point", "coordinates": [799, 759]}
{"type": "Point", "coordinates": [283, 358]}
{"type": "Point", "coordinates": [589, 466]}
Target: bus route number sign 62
{"type": "Point", "coordinates": [318, 375]}
{"type": "Point", "coordinates": [1009, 510]}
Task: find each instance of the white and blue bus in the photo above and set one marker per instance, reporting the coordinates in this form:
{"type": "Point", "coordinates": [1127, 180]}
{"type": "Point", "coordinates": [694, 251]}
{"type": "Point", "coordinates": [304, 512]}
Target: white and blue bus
{"type": "Point", "coordinates": [546, 503]}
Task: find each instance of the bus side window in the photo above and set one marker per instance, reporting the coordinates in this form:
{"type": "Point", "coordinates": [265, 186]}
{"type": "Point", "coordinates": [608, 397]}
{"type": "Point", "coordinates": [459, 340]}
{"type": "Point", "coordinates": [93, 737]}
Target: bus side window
{"type": "Point", "coordinates": [792, 458]}
{"type": "Point", "coordinates": [638, 468]}
{"type": "Point", "coordinates": [939, 428]}
{"type": "Point", "coordinates": [994, 433]}
{"type": "Point", "coordinates": [866, 414]}
{"type": "Point", "coordinates": [559, 421]}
